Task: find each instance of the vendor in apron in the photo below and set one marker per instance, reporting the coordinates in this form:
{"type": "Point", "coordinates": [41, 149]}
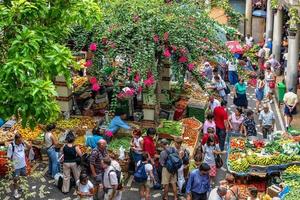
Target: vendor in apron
{"type": "Point", "coordinates": [116, 123]}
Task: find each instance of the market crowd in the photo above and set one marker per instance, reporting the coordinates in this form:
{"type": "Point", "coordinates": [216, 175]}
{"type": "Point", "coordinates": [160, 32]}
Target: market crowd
{"type": "Point", "coordinates": [159, 164]}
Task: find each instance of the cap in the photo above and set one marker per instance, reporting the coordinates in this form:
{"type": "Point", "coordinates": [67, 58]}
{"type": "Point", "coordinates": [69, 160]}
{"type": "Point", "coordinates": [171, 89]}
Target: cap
{"type": "Point", "coordinates": [178, 139]}
{"type": "Point", "coordinates": [164, 142]}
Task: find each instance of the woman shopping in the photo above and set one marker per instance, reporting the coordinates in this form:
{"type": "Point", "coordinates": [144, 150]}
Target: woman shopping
{"type": "Point", "coordinates": [240, 96]}
{"type": "Point", "coordinates": [50, 144]}
{"type": "Point", "coordinates": [270, 83]}
{"type": "Point", "coordinates": [235, 121]}
{"type": "Point", "coordinates": [259, 92]}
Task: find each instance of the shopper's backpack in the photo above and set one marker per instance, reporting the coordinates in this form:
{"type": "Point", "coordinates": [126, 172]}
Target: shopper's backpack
{"type": "Point", "coordinates": [186, 157]}
{"type": "Point", "coordinates": [119, 176]}
{"type": "Point", "coordinates": [173, 162]}
{"type": "Point", "coordinates": [140, 174]}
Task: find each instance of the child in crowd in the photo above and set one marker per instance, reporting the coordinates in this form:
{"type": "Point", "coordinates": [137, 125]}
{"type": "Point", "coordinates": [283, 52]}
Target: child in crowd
{"type": "Point", "coordinates": [85, 188]}
{"type": "Point", "coordinates": [211, 132]}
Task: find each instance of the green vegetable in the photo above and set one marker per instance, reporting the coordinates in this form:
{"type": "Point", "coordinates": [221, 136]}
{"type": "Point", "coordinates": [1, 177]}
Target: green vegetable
{"type": "Point", "coordinates": [171, 127]}
{"type": "Point", "coordinates": [116, 143]}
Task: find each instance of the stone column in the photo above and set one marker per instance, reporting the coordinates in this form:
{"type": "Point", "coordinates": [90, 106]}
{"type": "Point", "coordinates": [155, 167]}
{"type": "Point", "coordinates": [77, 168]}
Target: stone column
{"type": "Point", "coordinates": [277, 34]}
{"type": "Point", "coordinates": [269, 23]}
{"type": "Point", "coordinates": [293, 60]}
{"type": "Point", "coordinates": [248, 16]}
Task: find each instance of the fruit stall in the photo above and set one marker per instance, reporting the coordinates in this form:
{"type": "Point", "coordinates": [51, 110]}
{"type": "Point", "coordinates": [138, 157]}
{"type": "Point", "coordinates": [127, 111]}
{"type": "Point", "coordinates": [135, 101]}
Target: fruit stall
{"type": "Point", "coordinates": [254, 156]}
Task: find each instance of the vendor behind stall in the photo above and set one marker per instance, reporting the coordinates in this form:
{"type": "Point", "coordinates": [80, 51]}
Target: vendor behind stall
{"type": "Point", "coordinates": [116, 123]}
{"type": "Point", "coordinates": [91, 141]}
{"type": "Point", "coordinates": [1, 121]}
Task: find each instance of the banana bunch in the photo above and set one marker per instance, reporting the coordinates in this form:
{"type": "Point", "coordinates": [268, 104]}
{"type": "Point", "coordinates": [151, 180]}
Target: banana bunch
{"type": "Point", "coordinates": [68, 124]}
{"type": "Point", "coordinates": [239, 165]}
{"type": "Point", "coordinates": [293, 169]}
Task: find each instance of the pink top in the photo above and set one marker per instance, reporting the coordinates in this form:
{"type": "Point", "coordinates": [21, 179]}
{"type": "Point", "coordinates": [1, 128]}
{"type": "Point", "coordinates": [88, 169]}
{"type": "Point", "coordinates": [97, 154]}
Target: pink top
{"type": "Point", "coordinates": [236, 122]}
{"type": "Point", "coordinates": [208, 124]}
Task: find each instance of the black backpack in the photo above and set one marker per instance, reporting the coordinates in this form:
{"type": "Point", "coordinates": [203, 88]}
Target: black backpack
{"type": "Point", "coordinates": [186, 157]}
{"type": "Point", "coordinates": [173, 162]}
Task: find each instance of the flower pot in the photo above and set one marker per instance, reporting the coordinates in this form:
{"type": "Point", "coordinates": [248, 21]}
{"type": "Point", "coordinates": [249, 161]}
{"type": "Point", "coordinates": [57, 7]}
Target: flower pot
{"type": "Point", "coordinates": [292, 33]}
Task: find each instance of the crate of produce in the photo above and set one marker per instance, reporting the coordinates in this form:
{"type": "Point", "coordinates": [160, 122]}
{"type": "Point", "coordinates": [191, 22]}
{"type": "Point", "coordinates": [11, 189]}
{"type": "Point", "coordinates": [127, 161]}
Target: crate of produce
{"type": "Point", "coordinates": [197, 111]}
{"type": "Point", "coordinates": [192, 123]}
{"type": "Point", "coordinates": [169, 129]}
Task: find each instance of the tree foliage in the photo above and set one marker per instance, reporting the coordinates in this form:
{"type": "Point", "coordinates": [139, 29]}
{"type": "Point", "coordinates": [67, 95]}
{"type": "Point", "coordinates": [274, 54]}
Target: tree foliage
{"type": "Point", "coordinates": [33, 53]}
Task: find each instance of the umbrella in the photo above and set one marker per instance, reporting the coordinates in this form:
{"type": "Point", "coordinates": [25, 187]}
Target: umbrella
{"type": "Point", "coordinates": [235, 47]}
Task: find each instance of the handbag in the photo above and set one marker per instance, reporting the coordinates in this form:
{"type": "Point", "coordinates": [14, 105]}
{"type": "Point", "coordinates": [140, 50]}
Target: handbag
{"type": "Point", "coordinates": [219, 161]}
{"type": "Point", "coordinates": [227, 90]}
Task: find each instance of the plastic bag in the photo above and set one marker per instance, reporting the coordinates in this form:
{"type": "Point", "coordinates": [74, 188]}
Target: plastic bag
{"type": "Point", "coordinates": [31, 154]}
{"type": "Point", "coordinates": [122, 153]}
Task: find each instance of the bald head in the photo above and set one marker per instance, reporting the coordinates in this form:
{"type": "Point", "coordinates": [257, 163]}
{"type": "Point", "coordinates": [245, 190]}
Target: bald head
{"type": "Point", "coordinates": [222, 191]}
{"type": "Point", "coordinates": [102, 144]}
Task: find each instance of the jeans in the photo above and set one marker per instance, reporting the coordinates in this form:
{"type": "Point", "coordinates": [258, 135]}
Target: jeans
{"type": "Point", "coordinates": [196, 196]}
{"type": "Point", "coordinates": [266, 130]}
{"type": "Point", "coordinates": [233, 77]}
{"type": "Point", "coordinates": [222, 137]}
{"type": "Point", "coordinates": [53, 161]}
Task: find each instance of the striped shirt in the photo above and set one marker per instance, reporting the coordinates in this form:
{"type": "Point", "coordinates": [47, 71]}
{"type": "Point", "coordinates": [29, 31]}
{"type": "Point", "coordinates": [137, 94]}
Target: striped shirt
{"type": "Point", "coordinates": [97, 156]}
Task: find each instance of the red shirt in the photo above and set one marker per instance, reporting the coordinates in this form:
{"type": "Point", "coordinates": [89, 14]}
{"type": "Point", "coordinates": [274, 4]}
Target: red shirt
{"type": "Point", "coordinates": [220, 115]}
{"type": "Point", "coordinates": [206, 136]}
{"type": "Point", "coordinates": [149, 146]}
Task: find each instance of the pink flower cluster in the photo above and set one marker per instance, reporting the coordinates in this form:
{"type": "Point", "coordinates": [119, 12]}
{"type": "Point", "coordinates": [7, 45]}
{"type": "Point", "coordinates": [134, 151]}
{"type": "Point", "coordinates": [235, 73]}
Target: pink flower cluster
{"type": "Point", "coordinates": [93, 47]}
{"type": "Point", "coordinates": [149, 81]}
{"type": "Point", "coordinates": [95, 85]}
{"type": "Point", "coordinates": [88, 63]}
{"type": "Point", "coordinates": [109, 133]}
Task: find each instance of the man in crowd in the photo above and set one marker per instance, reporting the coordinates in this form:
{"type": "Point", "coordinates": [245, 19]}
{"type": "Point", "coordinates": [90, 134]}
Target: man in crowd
{"type": "Point", "coordinates": [249, 40]}
{"type": "Point", "coordinates": [261, 58]}
{"type": "Point", "coordinates": [97, 155]}
{"type": "Point", "coordinates": [110, 181]}
{"type": "Point", "coordinates": [198, 184]}
{"type": "Point", "coordinates": [290, 100]}
{"type": "Point", "coordinates": [16, 154]}
{"type": "Point", "coordinates": [274, 64]}
{"type": "Point", "coordinates": [218, 193]}
{"type": "Point", "coordinates": [167, 177]}
{"type": "Point", "coordinates": [221, 120]}
{"type": "Point", "coordinates": [213, 103]}
{"type": "Point", "coordinates": [267, 121]}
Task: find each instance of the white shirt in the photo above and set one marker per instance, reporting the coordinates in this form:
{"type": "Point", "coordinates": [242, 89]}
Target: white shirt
{"type": "Point", "coordinates": [18, 156]}
{"type": "Point", "coordinates": [214, 195]}
{"type": "Point", "coordinates": [148, 169]}
{"type": "Point", "coordinates": [249, 41]}
{"type": "Point", "coordinates": [110, 179]}
{"type": "Point", "coordinates": [231, 66]}
{"type": "Point", "coordinates": [85, 189]}
{"type": "Point", "coordinates": [214, 104]}
{"type": "Point", "coordinates": [137, 143]}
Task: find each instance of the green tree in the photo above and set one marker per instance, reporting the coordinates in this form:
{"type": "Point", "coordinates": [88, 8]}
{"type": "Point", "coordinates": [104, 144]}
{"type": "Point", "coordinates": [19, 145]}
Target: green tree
{"type": "Point", "coordinates": [33, 53]}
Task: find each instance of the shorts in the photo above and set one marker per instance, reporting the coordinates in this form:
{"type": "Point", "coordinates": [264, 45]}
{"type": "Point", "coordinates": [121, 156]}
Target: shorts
{"type": "Point", "coordinates": [213, 171]}
{"type": "Point", "coordinates": [288, 112]}
{"type": "Point", "coordinates": [167, 177]}
{"type": "Point", "coordinates": [147, 184]}
{"type": "Point", "coordinates": [20, 172]}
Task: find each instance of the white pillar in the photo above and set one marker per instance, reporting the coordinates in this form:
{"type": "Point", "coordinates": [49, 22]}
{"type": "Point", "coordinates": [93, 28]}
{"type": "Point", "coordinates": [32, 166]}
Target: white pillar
{"type": "Point", "coordinates": [277, 34]}
{"type": "Point", "coordinates": [293, 60]}
{"type": "Point", "coordinates": [248, 16]}
{"type": "Point", "coordinates": [269, 23]}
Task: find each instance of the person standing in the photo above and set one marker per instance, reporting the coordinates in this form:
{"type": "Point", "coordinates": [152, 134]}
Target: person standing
{"type": "Point", "coordinates": [149, 144]}
{"type": "Point", "coordinates": [235, 121]}
{"type": "Point", "coordinates": [249, 40]}
{"type": "Point", "coordinates": [97, 155]}
{"type": "Point", "coordinates": [209, 122]}
{"type": "Point", "coordinates": [274, 64]}
{"type": "Point", "coordinates": [220, 86]}
{"type": "Point", "coordinates": [270, 83]}
{"type": "Point", "coordinates": [212, 103]}
{"type": "Point", "coordinates": [240, 94]}
{"type": "Point", "coordinates": [208, 71]}
{"type": "Point", "coordinates": [249, 125]}
{"type": "Point", "coordinates": [267, 121]}
{"type": "Point", "coordinates": [211, 132]}
{"type": "Point", "coordinates": [167, 177]}
{"type": "Point", "coordinates": [85, 188]}
{"type": "Point", "coordinates": [16, 154]}
{"type": "Point", "coordinates": [71, 154]}
{"type": "Point", "coordinates": [218, 193]}
{"type": "Point", "coordinates": [110, 181]}
{"type": "Point", "coordinates": [232, 72]}
{"type": "Point", "coordinates": [233, 192]}
{"type": "Point", "coordinates": [259, 92]}
{"type": "Point", "coordinates": [50, 144]}
{"type": "Point", "coordinates": [198, 184]}
{"type": "Point", "coordinates": [210, 150]}
{"type": "Point", "coordinates": [137, 144]}
{"type": "Point", "coordinates": [290, 100]}
{"type": "Point", "coordinates": [221, 120]}
{"type": "Point", "coordinates": [261, 58]}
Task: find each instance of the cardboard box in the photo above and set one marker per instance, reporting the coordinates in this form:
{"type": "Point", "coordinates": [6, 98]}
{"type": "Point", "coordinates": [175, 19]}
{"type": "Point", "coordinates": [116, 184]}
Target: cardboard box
{"type": "Point", "coordinates": [273, 191]}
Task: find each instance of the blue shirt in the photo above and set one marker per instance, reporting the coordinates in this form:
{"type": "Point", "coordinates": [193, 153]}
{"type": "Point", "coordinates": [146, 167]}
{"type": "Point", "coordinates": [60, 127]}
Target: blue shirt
{"type": "Point", "coordinates": [117, 123]}
{"type": "Point", "coordinates": [1, 122]}
{"type": "Point", "coordinates": [198, 183]}
{"type": "Point", "coordinates": [91, 141]}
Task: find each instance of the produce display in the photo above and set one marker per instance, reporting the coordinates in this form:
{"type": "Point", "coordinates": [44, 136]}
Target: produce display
{"type": "Point", "coordinates": [116, 143]}
{"type": "Point", "coordinates": [191, 123]}
{"type": "Point", "coordinates": [78, 81]}
{"type": "Point", "coordinates": [291, 177]}
{"type": "Point", "coordinates": [244, 154]}
{"type": "Point", "coordinates": [27, 133]}
{"type": "Point", "coordinates": [190, 137]}
{"type": "Point", "coordinates": [170, 127]}
{"type": "Point", "coordinates": [294, 132]}
{"type": "Point", "coordinates": [6, 136]}
{"type": "Point", "coordinates": [76, 123]}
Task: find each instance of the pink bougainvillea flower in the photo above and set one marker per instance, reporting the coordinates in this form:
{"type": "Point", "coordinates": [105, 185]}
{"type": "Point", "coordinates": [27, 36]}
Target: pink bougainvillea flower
{"type": "Point", "coordinates": [156, 38]}
{"type": "Point", "coordinates": [93, 47]}
{"type": "Point", "coordinates": [183, 59]}
{"type": "Point", "coordinates": [191, 66]}
{"type": "Point", "coordinates": [93, 80]}
{"type": "Point", "coordinates": [149, 82]}
{"type": "Point", "coordinates": [137, 78]}
{"type": "Point", "coordinates": [130, 92]}
{"type": "Point", "coordinates": [139, 90]}
{"type": "Point", "coordinates": [88, 63]}
{"type": "Point", "coordinates": [167, 53]}
{"type": "Point", "coordinates": [166, 36]}
{"type": "Point", "coordinates": [121, 95]}
{"type": "Point", "coordinates": [109, 133]}
{"type": "Point", "coordinates": [96, 87]}
{"type": "Point", "coordinates": [149, 74]}
{"type": "Point", "coordinates": [174, 48]}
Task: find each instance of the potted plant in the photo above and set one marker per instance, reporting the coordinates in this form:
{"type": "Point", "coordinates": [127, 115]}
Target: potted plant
{"type": "Point", "coordinates": [274, 5]}
{"type": "Point", "coordinates": [293, 22]}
